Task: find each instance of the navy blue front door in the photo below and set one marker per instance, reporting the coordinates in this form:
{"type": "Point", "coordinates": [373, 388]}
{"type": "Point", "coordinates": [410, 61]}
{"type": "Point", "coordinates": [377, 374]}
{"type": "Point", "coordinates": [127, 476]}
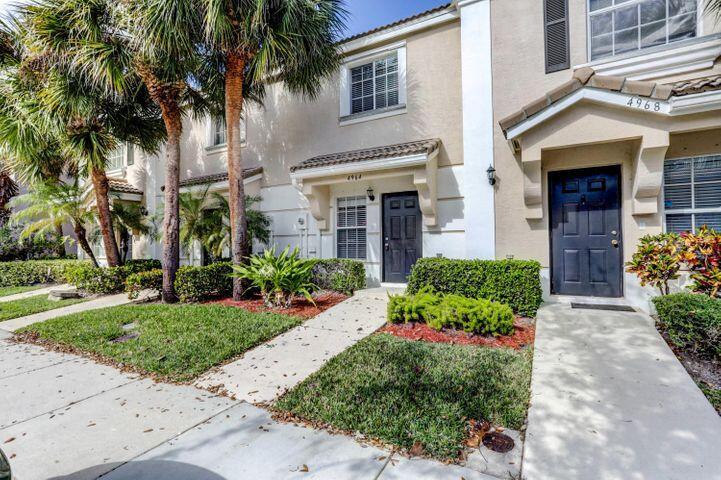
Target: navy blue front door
{"type": "Point", "coordinates": [402, 235]}
{"type": "Point", "coordinates": [586, 253]}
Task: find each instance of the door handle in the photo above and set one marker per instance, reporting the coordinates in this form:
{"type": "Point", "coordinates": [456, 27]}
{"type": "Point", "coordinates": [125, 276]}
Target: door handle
{"type": "Point", "coordinates": [614, 242]}
{"type": "Point", "coordinates": [386, 245]}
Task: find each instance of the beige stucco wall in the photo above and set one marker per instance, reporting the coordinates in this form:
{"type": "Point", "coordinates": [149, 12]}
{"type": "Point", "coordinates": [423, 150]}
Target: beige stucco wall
{"type": "Point", "coordinates": [287, 129]}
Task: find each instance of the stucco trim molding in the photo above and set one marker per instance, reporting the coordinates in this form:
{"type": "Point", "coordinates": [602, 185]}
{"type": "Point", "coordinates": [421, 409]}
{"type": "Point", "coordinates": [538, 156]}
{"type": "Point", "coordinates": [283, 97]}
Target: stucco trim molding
{"type": "Point", "coordinates": [648, 177]}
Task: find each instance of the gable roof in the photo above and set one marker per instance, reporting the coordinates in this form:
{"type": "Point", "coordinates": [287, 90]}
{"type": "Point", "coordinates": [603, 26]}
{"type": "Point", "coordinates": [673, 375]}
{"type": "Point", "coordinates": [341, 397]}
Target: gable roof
{"type": "Point", "coordinates": [398, 23]}
{"type": "Point", "coordinates": [587, 78]}
{"type": "Point", "coordinates": [374, 153]}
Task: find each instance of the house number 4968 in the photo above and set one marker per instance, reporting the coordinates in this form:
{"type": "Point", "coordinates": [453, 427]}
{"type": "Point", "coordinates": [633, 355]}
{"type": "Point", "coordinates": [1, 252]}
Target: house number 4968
{"type": "Point", "coordinates": [643, 104]}
{"type": "Point", "coordinates": [355, 177]}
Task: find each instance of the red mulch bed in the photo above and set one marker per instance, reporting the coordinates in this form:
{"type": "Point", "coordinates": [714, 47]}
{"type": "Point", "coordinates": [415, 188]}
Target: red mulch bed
{"type": "Point", "coordinates": [524, 335]}
{"type": "Point", "coordinates": [300, 308]}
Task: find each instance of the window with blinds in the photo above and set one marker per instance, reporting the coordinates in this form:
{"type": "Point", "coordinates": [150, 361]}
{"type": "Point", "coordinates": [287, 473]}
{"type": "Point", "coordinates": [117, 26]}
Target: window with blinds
{"type": "Point", "coordinates": [219, 132]}
{"type": "Point", "coordinates": [351, 228]}
{"type": "Point", "coordinates": [116, 158]}
{"type": "Point", "coordinates": [556, 32]}
{"type": "Point", "coordinates": [692, 193]}
{"type": "Point", "coordinates": [375, 85]}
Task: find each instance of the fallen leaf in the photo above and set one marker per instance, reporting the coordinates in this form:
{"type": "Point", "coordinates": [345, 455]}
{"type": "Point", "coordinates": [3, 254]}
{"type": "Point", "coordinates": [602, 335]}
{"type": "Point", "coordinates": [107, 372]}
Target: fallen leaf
{"type": "Point", "coordinates": [303, 468]}
{"type": "Point", "coordinates": [417, 450]}
{"type": "Point", "coordinates": [148, 430]}
{"type": "Point", "coordinates": [9, 439]}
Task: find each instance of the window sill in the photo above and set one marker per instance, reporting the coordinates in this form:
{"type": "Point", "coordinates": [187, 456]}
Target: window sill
{"type": "Point", "coordinates": [222, 148]}
{"type": "Point", "coordinates": [372, 115]}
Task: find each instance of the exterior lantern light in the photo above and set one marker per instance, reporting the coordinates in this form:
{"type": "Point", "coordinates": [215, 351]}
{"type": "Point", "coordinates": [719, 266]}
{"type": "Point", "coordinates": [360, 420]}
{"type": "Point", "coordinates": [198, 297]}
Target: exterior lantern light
{"type": "Point", "coordinates": [371, 194]}
{"type": "Point", "coordinates": [491, 172]}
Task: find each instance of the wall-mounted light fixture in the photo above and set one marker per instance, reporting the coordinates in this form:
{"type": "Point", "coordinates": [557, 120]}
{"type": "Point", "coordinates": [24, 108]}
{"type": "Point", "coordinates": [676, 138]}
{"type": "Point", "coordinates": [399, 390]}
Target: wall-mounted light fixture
{"type": "Point", "coordinates": [491, 172]}
{"type": "Point", "coordinates": [371, 194]}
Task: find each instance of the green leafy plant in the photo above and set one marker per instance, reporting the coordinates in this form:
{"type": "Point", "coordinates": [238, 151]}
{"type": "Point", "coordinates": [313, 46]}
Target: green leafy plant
{"type": "Point", "coordinates": [339, 275]}
{"type": "Point", "coordinates": [702, 254]}
{"type": "Point", "coordinates": [106, 280]}
{"type": "Point", "coordinates": [516, 283]}
{"type": "Point", "coordinates": [31, 272]}
{"type": "Point", "coordinates": [149, 280]}
{"type": "Point", "coordinates": [692, 321]}
{"type": "Point", "coordinates": [197, 284]}
{"type": "Point", "coordinates": [438, 311]}
{"type": "Point", "coordinates": [278, 277]}
{"type": "Point", "coordinates": [657, 260]}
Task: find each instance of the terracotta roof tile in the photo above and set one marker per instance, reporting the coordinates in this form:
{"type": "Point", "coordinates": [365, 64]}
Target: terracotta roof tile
{"type": "Point", "coordinates": [217, 177]}
{"type": "Point", "coordinates": [375, 153]}
{"type": "Point", "coordinates": [119, 185]}
{"type": "Point", "coordinates": [397, 23]}
{"type": "Point", "coordinates": [699, 85]}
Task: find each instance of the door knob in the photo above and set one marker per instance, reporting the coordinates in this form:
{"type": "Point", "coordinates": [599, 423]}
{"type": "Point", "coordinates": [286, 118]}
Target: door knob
{"type": "Point", "coordinates": [614, 242]}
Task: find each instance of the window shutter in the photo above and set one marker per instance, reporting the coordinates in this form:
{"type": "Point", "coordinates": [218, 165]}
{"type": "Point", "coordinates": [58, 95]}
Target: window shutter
{"type": "Point", "coordinates": [556, 32]}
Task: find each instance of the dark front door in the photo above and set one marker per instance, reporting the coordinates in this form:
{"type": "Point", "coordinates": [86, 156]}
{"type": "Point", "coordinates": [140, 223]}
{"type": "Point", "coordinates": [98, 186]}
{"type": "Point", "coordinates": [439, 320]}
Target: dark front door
{"type": "Point", "coordinates": [402, 241]}
{"type": "Point", "coordinates": [586, 253]}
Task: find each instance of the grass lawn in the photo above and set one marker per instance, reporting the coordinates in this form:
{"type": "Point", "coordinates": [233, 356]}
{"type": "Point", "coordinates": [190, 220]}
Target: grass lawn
{"type": "Point", "coordinates": [713, 395]}
{"type": "Point", "coordinates": [176, 342]}
{"type": "Point", "coordinates": [5, 291]}
{"type": "Point", "coordinates": [31, 305]}
{"type": "Point", "coordinates": [403, 392]}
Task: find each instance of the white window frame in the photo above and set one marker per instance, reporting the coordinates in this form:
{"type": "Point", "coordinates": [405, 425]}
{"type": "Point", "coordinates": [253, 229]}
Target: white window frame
{"type": "Point", "coordinates": [339, 228]}
{"type": "Point", "coordinates": [211, 131]}
{"type": "Point", "coordinates": [699, 30]}
{"type": "Point", "coordinates": [686, 211]}
{"type": "Point", "coordinates": [127, 158]}
{"type": "Point", "coordinates": [346, 117]}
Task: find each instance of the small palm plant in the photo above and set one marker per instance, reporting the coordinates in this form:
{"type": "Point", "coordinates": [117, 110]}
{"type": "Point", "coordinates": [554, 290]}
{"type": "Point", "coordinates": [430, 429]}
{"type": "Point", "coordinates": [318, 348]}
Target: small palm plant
{"type": "Point", "coordinates": [279, 278]}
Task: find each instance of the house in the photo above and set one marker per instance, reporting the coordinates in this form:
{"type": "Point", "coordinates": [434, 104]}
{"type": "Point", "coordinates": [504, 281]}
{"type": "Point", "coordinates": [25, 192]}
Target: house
{"type": "Point", "coordinates": [555, 130]}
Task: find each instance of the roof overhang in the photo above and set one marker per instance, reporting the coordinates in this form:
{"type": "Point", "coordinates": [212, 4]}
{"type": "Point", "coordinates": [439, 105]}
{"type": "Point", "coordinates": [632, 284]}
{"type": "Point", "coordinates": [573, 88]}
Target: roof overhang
{"type": "Point", "coordinates": [382, 165]}
{"type": "Point", "coordinates": [220, 185]}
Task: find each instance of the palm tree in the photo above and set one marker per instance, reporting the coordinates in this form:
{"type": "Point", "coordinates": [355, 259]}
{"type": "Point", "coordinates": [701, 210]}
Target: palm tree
{"type": "Point", "coordinates": [219, 239]}
{"type": "Point", "coordinates": [195, 224]}
{"type": "Point", "coordinates": [47, 205]}
{"type": "Point", "coordinates": [251, 42]}
{"type": "Point", "coordinates": [89, 116]}
{"type": "Point", "coordinates": [129, 219]}
{"type": "Point", "coordinates": [8, 189]}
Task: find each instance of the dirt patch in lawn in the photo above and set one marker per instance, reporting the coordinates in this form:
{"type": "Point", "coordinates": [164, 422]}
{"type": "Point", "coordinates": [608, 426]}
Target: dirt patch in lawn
{"type": "Point", "coordinates": [301, 307]}
{"type": "Point", "coordinates": [524, 335]}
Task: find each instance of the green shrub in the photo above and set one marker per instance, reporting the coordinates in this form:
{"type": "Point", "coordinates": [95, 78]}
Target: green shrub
{"type": "Point", "coordinates": [339, 275]}
{"type": "Point", "coordinates": [149, 280]}
{"type": "Point", "coordinates": [30, 272]}
{"type": "Point", "coordinates": [516, 283]}
{"type": "Point", "coordinates": [702, 254]}
{"type": "Point", "coordinates": [692, 321]}
{"type": "Point", "coordinates": [278, 277]}
{"type": "Point", "coordinates": [196, 284]}
{"type": "Point", "coordinates": [657, 260]}
{"type": "Point", "coordinates": [472, 315]}
{"type": "Point", "coordinates": [142, 265]}
{"type": "Point", "coordinates": [106, 280]}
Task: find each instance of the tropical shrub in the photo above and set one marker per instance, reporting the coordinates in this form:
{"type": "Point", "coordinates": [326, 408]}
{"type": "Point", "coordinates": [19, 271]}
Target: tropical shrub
{"type": "Point", "coordinates": [657, 260]}
{"type": "Point", "coordinates": [278, 277]}
{"type": "Point", "coordinates": [14, 246]}
{"type": "Point", "coordinates": [142, 265]}
{"type": "Point", "coordinates": [692, 321]}
{"type": "Point", "coordinates": [31, 272]}
{"type": "Point", "coordinates": [148, 280]}
{"type": "Point", "coordinates": [339, 275]}
{"type": "Point", "coordinates": [197, 284]}
{"type": "Point", "coordinates": [106, 280]}
{"type": "Point", "coordinates": [702, 254]}
{"type": "Point", "coordinates": [438, 311]}
{"type": "Point", "coordinates": [516, 283]}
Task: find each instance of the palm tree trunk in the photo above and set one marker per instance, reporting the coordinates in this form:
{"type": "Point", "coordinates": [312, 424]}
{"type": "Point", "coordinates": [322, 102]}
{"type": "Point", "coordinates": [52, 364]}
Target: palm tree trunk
{"type": "Point", "coordinates": [171, 218]}
{"type": "Point", "coordinates": [60, 251]}
{"type": "Point", "coordinates": [234, 76]}
{"type": "Point", "coordinates": [102, 188]}
{"type": "Point", "coordinates": [82, 237]}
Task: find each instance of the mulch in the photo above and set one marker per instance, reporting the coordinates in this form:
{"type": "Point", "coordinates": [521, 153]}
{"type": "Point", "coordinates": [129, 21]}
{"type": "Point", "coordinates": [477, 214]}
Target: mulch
{"type": "Point", "coordinates": [300, 308]}
{"type": "Point", "coordinates": [524, 335]}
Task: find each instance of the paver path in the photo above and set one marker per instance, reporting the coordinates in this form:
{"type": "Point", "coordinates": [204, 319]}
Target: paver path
{"type": "Point", "coordinates": [610, 401]}
{"type": "Point", "coordinates": [264, 373]}
{"type": "Point", "coordinates": [32, 293]}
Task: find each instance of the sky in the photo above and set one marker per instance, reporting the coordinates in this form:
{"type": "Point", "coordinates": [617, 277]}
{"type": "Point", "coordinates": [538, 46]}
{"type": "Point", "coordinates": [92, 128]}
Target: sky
{"type": "Point", "coordinates": [364, 14]}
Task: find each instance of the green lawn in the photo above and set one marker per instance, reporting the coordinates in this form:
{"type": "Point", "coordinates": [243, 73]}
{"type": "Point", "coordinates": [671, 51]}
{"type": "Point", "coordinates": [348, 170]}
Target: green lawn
{"type": "Point", "coordinates": [177, 342]}
{"type": "Point", "coordinates": [5, 291]}
{"type": "Point", "coordinates": [403, 392]}
{"type": "Point", "coordinates": [31, 305]}
{"type": "Point", "coordinates": [713, 395]}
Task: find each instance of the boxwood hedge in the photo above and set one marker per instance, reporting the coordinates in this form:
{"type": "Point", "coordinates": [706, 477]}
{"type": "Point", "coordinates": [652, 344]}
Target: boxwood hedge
{"type": "Point", "coordinates": [31, 272]}
{"type": "Point", "coordinates": [106, 280]}
{"type": "Point", "coordinates": [197, 284]}
{"type": "Point", "coordinates": [516, 283]}
{"type": "Point", "coordinates": [339, 275]}
{"type": "Point", "coordinates": [692, 321]}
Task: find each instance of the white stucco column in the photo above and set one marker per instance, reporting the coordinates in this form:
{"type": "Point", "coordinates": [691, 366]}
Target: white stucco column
{"type": "Point", "coordinates": [477, 89]}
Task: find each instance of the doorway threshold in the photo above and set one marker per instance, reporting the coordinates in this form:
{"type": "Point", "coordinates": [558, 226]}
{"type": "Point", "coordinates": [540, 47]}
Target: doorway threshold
{"type": "Point", "coordinates": [579, 299]}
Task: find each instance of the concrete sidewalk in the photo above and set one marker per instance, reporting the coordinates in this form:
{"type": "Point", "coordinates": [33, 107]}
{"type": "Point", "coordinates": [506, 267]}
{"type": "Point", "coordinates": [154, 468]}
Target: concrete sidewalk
{"type": "Point", "coordinates": [32, 293]}
{"type": "Point", "coordinates": [265, 372]}
{"type": "Point", "coordinates": [610, 401]}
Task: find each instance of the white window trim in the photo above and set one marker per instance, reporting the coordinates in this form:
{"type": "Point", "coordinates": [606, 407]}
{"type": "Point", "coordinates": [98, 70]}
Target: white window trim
{"type": "Point", "coordinates": [127, 153]}
{"type": "Point", "coordinates": [345, 116]}
{"type": "Point", "coordinates": [685, 211]}
{"type": "Point", "coordinates": [612, 57]}
{"type": "Point", "coordinates": [221, 147]}
{"type": "Point", "coordinates": [335, 210]}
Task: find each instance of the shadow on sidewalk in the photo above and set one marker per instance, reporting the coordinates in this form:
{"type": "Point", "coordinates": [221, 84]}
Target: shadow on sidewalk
{"type": "Point", "coordinates": [143, 470]}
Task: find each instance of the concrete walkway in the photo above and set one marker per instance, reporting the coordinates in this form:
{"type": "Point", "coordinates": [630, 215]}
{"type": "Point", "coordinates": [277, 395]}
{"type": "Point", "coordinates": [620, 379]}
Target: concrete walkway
{"type": "Point", "coordinates": [265, 372]}
{"type": "Point", "coordinates": [102, 302]}
{"type": "Point", "coordinates": [610, 401]}
{"type": "Point", "coordinates": [32, 293]}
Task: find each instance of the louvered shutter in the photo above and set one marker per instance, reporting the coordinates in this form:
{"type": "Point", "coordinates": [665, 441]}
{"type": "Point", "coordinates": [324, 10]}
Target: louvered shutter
{"type": "Point", "coordinates": [556, 31]}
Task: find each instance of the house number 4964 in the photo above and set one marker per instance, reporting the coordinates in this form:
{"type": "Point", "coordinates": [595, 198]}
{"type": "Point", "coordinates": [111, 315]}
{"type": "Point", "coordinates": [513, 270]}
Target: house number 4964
{"type": "Point", "coordinates": [643, 104]}
{"type": "Point", "coordinates": [355, 177]}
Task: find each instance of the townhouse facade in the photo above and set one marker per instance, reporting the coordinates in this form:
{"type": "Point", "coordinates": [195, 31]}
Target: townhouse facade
{"type": "Point", "coordinates": [555, 130]}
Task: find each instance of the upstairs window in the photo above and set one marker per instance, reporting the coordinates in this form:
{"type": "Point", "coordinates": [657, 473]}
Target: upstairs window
{"type": "Point", "coordinates": [692, 193]}
{"type": "Point", "coordinates": [220, 132]}
{"type": "Point", "coordinates": [375, 85]}
{"type": "Point", "coordinates": [351, 228]}
{"type": "Point", "coordinates": [620, 26]}
{"type": "Point", "coordinates": [120, 158]}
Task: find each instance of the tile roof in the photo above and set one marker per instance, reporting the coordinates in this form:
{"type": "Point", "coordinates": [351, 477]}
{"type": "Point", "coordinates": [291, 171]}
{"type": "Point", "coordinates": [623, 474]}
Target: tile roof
{"type": "Point", "coordinates": [398, 23]}
{"type": "Point", "coordinates": [217, 177]}
{"type": "Point", "coordinates": [119, 185]}
{"type": "Point", "coordinates": [375, 153]}
{"type": "Point", "coordinates": [587, 77]}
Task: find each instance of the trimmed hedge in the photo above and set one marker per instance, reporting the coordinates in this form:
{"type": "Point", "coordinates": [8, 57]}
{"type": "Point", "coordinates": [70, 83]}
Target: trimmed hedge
{"type": "Point", "coordinates": [339, 275]}
{"type": "Point", "coordinates": [197, 284]}
{"type": "Point", "coordinates": [438, 311]}
{"type": "Point", "coordinates": [516, 283]}
{"type": "Point", "coordinates": [107, 280]}
{"type": "Point", "coordinates": [149, 280]}
{"type": "Point", "coordinates": [30, 272]}
{"type": "Point", "coordinates": [692, 321]}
